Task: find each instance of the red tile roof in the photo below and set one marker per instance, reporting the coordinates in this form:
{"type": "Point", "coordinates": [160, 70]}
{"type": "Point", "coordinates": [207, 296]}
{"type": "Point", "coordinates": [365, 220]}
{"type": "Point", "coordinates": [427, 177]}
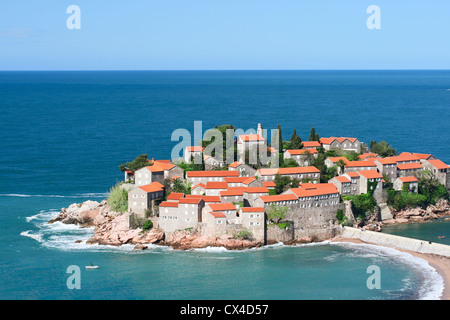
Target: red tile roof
{"type": "Point", "coordinates": [279, 197]}
{"type": "Point", "coordinates": [336, 159]}
{"type": "Point", "coordinates": [408, 179]}
{"type": "Point", "coordinates": [405, 157]}
{"type": "Point", "coordinates": [250, 189]}
{"type": "Point", "coordinates": [302, 151]}
{"type": "Point", "coordinates": [201, 185]}
{"type": "Point", "coordinates": [230, 193]}
{"type": "Point", "coordinates": [190, 200]}
{"type": "Point", "coordinates": [152, 187]}
{"type": "Point", "coordinates": [175, 196]}
{"type": "Point", "coordinates": [211, 198]}
{"type": "Point", "coordinates": [216, 185]}
{"type": "Point", "coordinates": [342, 179]}
{"type": "Point", "coordinates": [370, 174]}
{"type": "Point", "coordinates": [311, 144]}
{"type": "Point", "coordinates": [252, 209]}
{"type": "Point", "coordinates": [339, 139]}
{"type": "Point", "coordinates": [269, 184]}
{"type": "Point", "coordinates": [409, 166]}
{"type": "Point", "coordinates": [169, 204]}
{"type": "Point", "coordinates": [311, 190]}
{"type": "Point", "coordinates": [251, 137]}
{"type": "Point", "coordinates": [213, 173]}
{"type": "Point", "coordinates": [353, 174]}
{"type": "Point", "coordinates": [236, 179]}
{"type": "Point", "coordinates": [222, 206]}
{"type": "Point", "coordinates": [218, 214]}
{"type": "Point", "coordinates": [235, 164]}
{"type": "Point", "coordinates": [362, 163]}
{"type": "Point", "coordinates": [368, 155]}
{"type": "Point", "coordinates": [385, 160]}
{"type": "Point", "coordinates": [438, 164]}
{"type": "Point", "coordinates": [423, 156]}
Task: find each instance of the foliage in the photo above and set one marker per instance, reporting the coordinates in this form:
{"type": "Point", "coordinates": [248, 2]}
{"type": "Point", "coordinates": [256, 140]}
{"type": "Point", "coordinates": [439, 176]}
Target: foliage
{"type": "Point", "coordinates": [382, 148]}
{"type": "Point", "coordinates": [118, 199]}
{"type": "Point", "coordinates": [272, 192]}
{"type": "Point", "coordinates": [340, 215]}
{"type": "Point", "coordinates": [295, 142]}
{"type": "Point", "coordinates": [245, 234]}
{"type": "Point", "coordinates": [138, 163]}
{"type": "Point", "coordinates": [325, 173]}
{"type": "Point", "coordinates": [432, 190]}
{"type": "Point", "coordinates": [177, 186]}
{"type": "Point", "coordinates": [147, 226]}
{"type": "Point", "coordinates": [361, 204]}
{"type": "Point", "coordinates": [276, 213]}
{"type": "Point", "coordinates": [289, 163]}
{"type": "Point", "coordinates": [283, 183]}
{"type": "Point", "coordinates": [223, 129]}
{"type": "Point", "coordinates": [313, 136]}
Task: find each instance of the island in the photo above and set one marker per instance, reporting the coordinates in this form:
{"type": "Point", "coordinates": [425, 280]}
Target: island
{"type": "Point", "coordinates": [318, 188]}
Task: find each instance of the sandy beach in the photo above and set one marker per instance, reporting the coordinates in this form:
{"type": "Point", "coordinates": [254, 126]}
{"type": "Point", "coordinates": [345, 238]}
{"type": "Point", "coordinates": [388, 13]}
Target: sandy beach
{"type": "Point", "coordinates": [440, 263]}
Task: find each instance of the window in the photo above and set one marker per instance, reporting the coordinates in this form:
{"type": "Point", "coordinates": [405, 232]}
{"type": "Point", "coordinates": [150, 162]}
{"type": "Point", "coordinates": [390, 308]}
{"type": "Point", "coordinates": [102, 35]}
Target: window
{"type": "Point", "coordinates": [135, 195]}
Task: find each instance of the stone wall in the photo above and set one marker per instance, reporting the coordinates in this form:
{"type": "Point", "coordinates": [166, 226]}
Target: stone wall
{"type": "Point", "coordinates": [275, 234]}
{"type": "Point", "coordinates": [397, 242]}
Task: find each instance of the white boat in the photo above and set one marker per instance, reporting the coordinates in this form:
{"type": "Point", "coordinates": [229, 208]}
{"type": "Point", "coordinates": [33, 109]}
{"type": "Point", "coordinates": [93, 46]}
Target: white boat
{"type": "Point", "coordinates": [92, 267]}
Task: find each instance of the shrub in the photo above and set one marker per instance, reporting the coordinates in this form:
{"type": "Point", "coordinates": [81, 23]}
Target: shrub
{"type": "Point", "coordinates": [118, 199]}
{"type": "Point", "coordinates": [340, 216]}
{"type": "Point", "coordinates": [147, 226]}
{"type": "Point", "coordinates": [245, 234]}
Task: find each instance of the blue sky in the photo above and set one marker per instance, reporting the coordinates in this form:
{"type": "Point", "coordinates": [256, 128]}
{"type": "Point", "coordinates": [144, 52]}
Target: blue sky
{"type": "Point", "coordinates": [227, 34]}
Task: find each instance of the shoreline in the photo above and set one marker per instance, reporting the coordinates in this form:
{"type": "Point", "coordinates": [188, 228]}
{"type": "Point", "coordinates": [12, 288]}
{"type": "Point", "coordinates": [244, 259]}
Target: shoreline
{"type": "Point", "coordinates": [439, 263]}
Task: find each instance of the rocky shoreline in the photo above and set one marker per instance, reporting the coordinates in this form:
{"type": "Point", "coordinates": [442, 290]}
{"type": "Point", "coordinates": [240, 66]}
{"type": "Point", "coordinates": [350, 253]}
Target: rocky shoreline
{"type": "Point", "coordinates": [432, 212]}
{"type": "Point", "coordinates": [112, 228]}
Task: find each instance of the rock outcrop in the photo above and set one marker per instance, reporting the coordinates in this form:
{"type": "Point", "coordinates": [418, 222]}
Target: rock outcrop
{"type": "Point", "coordinates": [441, 209]}
{"type": "Point", "coordinates": [186, 240]}
{"type": "Point", "coordinates": [110, 227]}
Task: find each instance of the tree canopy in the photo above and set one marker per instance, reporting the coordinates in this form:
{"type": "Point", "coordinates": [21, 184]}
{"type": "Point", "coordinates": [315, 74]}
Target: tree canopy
{"type": "Point", "coordinates": [382, 148]}
{"type": "Point", "coordinates": [138, 163]}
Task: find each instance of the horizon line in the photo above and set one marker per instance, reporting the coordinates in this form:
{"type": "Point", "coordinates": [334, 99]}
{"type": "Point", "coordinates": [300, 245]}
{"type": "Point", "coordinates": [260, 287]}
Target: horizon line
{"type": "Point", "coordinates": [212, 70]}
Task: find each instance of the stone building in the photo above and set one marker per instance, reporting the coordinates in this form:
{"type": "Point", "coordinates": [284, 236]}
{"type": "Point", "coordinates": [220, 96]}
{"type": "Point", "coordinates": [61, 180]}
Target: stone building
{"type": "Point", "coordinates": [411, 182]}
{"type": "Point", "coordinates": [343, 184]}
{"type": "Point", "coordinates": [140, 198]}
{"type": "Point", "coordinates": [387, 167]}
{"type": "Point", "coordinates": [299, 173]}
{"type": "Point", "coordinates": [196, 177]}
{"type": "Point", "coordinates": [193, 152]}
{"type": "Point", "coordinates": [439, 170]}
{"type": "Point", "coordinates": [304, 157]}
{"type": "Point", "coordinates": [243, 169]}
{"type": "Point", "coordinates": [186, 213]}
{"type": "Point", "coordinates": [342, 143]}
{"type": "Point", "coordinates": [414, 169]}
{"type": "Point", "coordinates": [254, 219]}
{"type": "Point", "coordinates": [159, 170]}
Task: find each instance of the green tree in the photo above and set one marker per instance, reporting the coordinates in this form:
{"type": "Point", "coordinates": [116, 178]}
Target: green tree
{"type": "Point", "coordinates": [313, 136]}
{"type": "Point", "coordinates": [138, 163]}
{"type": "Point", "coordinates": [382, 148]}
{"type": "Point", "coordinates": [289, 163]}
{"type": "Point", "coordinates": [276, 213]}
{"type": "Point", "coordinates": [295, 141]}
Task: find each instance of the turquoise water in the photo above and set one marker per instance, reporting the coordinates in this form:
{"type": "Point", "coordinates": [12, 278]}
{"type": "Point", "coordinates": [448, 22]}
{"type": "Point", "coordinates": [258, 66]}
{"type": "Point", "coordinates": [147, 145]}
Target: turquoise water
{"type": "Point", "coordinates": [429, 231]}
{"type": "Point", "coordinates": [64, 134]}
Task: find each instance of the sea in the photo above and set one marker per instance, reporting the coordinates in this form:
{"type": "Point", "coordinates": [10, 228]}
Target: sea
{"type": "Point", "coordinates": [64, 134]}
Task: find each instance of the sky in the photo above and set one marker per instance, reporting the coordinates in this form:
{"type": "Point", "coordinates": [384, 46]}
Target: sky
{"type": "Point", "coordinates": [224, 35]}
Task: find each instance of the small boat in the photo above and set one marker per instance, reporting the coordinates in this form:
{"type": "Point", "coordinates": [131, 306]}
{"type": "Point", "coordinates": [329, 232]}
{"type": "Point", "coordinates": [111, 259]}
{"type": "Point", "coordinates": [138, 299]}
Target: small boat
{"type": "Point", "coordinates": [91, 266]}
{"type": "Point", "coordinates": [441, 237]}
